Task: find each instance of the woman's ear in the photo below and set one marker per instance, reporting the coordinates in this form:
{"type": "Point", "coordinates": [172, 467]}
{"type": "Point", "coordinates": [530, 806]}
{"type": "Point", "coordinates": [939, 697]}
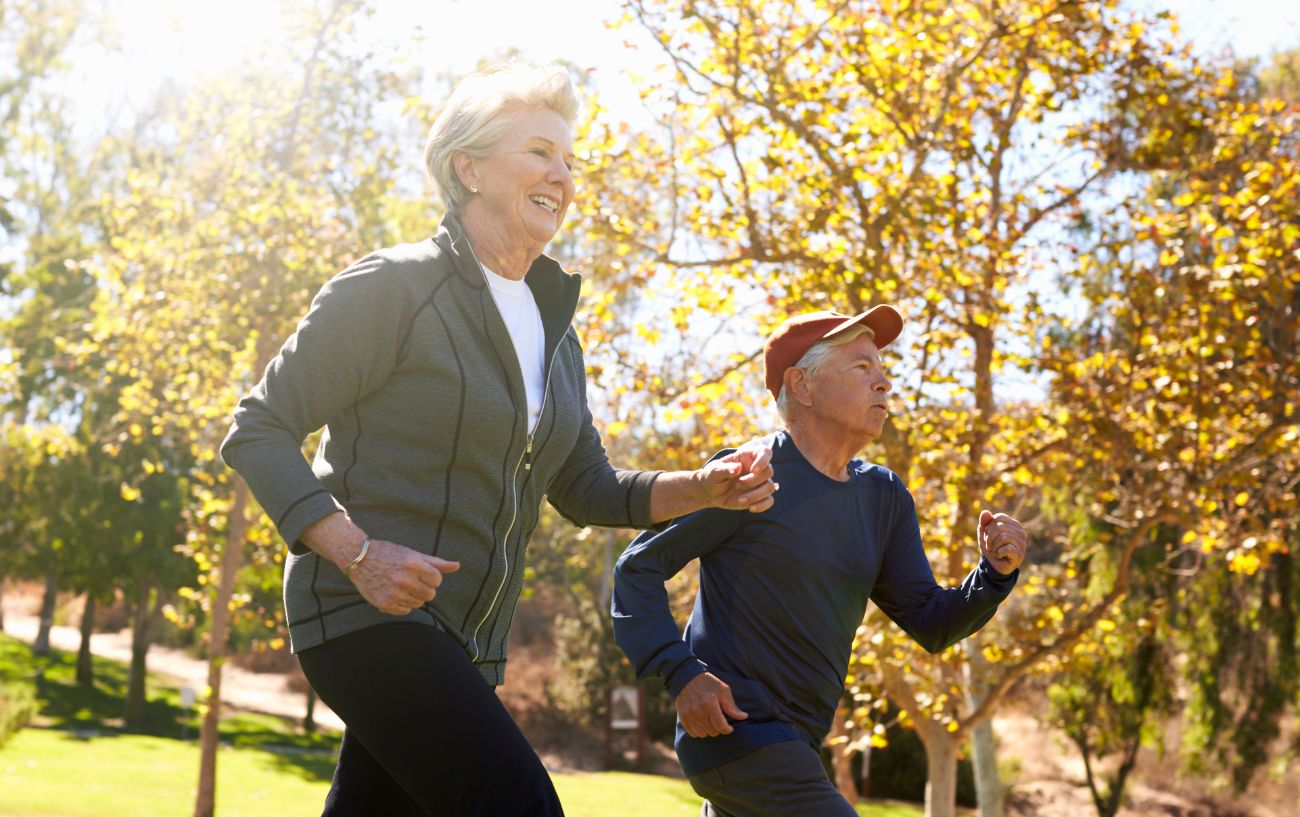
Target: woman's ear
{"type": "Point", "coordinates": [465, 170]}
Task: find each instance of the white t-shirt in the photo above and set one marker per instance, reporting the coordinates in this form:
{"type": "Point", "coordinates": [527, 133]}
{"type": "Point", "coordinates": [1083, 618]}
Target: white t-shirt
{"type": "Point", "coordinates": [519, 310]}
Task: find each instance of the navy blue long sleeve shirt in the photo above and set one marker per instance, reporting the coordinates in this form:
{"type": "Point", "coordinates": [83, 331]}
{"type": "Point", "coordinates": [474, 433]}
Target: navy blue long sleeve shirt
{"type": "Point", "coordinates": [782, 594]}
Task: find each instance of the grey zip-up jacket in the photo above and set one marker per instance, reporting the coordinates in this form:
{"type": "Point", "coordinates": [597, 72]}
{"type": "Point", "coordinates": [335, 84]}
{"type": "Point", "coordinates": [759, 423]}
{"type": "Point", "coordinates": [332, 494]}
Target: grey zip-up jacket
{"type": "Point", "coordinates": [405, 360]}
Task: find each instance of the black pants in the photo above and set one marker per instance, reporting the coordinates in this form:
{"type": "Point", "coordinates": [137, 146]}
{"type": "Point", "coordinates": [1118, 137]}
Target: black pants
{"type": "Point", "coordinates": [426, 736]}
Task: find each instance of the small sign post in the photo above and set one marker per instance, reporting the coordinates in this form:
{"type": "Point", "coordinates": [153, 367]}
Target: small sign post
{"type": "Point", "coordinates": [626, 713]}
{"type": "Point", "coordinates": [187, 703]}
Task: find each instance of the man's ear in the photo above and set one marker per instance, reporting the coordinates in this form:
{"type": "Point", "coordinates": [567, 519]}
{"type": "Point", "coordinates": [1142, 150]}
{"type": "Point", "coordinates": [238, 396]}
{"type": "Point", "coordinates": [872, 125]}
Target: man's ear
{"type": "Point", "coordinates": [799, 386]}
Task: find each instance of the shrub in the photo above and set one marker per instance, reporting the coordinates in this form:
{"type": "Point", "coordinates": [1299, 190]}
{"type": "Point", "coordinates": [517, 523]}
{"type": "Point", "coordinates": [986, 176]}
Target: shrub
{"type": "Point", "coordinates": [17, 706]}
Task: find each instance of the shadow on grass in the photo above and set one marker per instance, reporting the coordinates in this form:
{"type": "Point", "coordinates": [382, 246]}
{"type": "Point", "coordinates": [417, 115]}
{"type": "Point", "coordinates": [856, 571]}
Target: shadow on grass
{"type": "Point", "coordinates": [310, 766]}
{"type": "Point", "coordinates": [97, 711]}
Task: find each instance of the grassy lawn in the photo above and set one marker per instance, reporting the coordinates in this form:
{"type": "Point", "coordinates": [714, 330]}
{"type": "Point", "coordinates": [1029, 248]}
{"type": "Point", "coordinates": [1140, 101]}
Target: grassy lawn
{"type": "Point", "coordinates": [65, 705]}
{"type": "Point", "coordinates": [78, 763]}
{"type": "Point", "coordinates": [47, 772]}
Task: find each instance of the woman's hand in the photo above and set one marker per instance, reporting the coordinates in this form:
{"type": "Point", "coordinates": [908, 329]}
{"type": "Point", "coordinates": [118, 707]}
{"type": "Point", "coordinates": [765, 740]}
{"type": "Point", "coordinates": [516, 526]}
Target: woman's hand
{"type": "Point", "coordinates": [742, 480]}
{"type": "Point", "coordinates": [396, 579]}
{"type": "Point", "coordinates": [392, 577]}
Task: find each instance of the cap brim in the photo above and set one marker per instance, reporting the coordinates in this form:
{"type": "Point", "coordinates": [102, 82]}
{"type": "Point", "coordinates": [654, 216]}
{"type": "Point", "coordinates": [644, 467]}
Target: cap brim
{"type": "Point", "coordinates": [883, 320]}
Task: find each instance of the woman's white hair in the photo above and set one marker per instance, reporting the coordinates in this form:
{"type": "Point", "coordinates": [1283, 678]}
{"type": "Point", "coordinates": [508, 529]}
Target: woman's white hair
{"type": "Point", "coordinates": [474, 118]}
{"type": "Point", "coordinates": [816, 357]}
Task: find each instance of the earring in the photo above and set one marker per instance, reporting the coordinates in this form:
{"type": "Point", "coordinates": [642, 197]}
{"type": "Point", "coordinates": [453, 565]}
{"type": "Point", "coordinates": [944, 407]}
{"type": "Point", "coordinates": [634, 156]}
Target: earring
{"type": "Point", "coordinates": [473, 188]}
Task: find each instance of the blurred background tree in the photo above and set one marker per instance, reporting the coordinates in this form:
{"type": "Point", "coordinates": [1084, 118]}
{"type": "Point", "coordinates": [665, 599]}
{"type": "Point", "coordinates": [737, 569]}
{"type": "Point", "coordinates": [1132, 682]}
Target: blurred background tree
{"type": "Point", "coordinates": [1091, 230]}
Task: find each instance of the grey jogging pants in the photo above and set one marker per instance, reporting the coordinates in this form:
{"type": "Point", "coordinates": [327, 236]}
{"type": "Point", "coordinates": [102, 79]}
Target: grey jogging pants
{"type": "Point", "coordinates": [779, 780]}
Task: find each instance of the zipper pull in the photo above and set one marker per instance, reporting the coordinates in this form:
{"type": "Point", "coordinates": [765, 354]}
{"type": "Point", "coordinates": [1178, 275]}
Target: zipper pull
{"type": "Point", "coordinates": [528, 454]}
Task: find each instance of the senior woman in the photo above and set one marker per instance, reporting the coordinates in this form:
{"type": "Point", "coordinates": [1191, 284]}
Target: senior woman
{"type": "Point", "coordinates": [451, 385]}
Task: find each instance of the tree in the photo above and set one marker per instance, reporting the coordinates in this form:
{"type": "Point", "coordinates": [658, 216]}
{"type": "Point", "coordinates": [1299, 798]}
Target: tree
{"type": "Point", "coordinates": [247, 194]}
{"type": "Point", "coordinates": [921, 153]}
{"type": "Point", "coordinates": [34, 467]}
{"type": "Point", "coordinates": [1183, 380]}
{"type": "Point", "coordinates": [1115, 694]}
{"type": "Point", "coordinates": [34, 39]}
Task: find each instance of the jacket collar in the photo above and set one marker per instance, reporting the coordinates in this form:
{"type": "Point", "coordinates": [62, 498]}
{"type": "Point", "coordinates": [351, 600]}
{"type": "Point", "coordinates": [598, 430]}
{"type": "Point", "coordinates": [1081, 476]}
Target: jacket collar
{"type": "Point", "coordinates": [555, 290]}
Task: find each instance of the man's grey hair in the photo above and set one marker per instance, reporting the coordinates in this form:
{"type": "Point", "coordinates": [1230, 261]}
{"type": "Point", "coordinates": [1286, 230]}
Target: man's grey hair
{"type": "Point", "coordinates": [474, 119]}
{"type": "Point", "coordinates": [815, 358]}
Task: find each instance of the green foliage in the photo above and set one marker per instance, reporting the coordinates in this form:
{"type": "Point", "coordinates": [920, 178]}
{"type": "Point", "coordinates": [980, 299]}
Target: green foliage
{"type": "Point", "coordinates": [17, 706]}
{"type": "Point", "coordinates": [1242, 667]}
{"type": "Point", "coordinates": [1113, 699]}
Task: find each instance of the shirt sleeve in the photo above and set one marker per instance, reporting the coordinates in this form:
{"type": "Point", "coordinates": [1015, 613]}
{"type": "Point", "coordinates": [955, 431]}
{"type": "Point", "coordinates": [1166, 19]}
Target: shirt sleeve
{"type": "Point", "coordinates": [587, 490]}
{"type": "Point", "coordinates": [906, 590]}
{"type": "Point", "coordinates": [344, 348]}
{"type": "Point", "coordinates": [643, 624]}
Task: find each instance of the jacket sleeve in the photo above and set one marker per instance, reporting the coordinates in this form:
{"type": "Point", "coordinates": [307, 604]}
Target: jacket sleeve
{"type": "Point", "coordinates": [935, 617]}
{"type": "Point", "coordinates": [643, 624]}
{"type": "Point", "coordinates": [345, 347]}
{"type": "Point", "coordinates": [587, 490]}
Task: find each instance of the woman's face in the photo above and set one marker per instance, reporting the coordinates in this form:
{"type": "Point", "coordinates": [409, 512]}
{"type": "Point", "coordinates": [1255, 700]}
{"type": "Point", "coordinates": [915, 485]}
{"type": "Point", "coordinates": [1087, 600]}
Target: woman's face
{"type": "Point", "coordinates": [526, 184]}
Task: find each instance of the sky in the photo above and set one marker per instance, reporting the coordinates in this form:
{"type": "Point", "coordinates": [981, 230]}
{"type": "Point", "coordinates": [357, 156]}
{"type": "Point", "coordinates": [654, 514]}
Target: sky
{"type": "Point", "coordinates": [188, 37]}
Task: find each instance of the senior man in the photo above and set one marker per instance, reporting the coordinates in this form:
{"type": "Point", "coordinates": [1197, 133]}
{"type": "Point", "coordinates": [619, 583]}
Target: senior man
{"type": "Point", "coordinates": [761, 667]}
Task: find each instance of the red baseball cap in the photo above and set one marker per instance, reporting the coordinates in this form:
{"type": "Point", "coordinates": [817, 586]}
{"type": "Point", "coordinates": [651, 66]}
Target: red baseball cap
{"type": "Point", "coordinates": [797, 335]}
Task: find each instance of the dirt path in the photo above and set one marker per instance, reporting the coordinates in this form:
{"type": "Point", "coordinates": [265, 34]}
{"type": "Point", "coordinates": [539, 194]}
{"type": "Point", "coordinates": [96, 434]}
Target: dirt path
{"type": "Point", "coordinates": [241, 689]}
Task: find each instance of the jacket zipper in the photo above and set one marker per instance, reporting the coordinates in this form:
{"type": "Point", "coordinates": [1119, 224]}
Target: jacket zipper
{"type": "Point", "coordinates": [526, 461]}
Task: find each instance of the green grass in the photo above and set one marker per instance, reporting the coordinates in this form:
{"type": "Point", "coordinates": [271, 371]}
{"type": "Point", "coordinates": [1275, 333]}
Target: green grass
{"type": "Point", "coordinates": [63, 704]}
{"type": "Point", "coordinates": [48, 772]}
{"type": "Point", "coordinates": [56, 774]}
{"type": "Point", "coordinates": [80, 763]}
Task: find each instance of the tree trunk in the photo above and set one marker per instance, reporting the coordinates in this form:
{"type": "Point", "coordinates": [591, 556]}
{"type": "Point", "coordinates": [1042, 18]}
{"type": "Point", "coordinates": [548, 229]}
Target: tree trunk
{"type": "Point", "coordinates": [941, 766]}
{"type": "Point", "coordinates": [2, 604]}
{"type": "Point", "coordinates": [85, 665]}
{"type": "Point", "coordinates": [841, 760]}
{"type": "Point", "coordinates": [41, 646]}
{"type": "Point", "coordinates": [136, 693]}
{"type": "Point", "coordinates": [989, 791]}
{"type": "Point", "coordinates": [205, 801]}
{"type": "Point", "coordinates": [864, 779]}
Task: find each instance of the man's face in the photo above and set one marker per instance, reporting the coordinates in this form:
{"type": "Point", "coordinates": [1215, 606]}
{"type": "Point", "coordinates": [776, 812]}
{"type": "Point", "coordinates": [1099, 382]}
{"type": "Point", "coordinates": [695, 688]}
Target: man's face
{"type": "Point", "coordinates": [850, 390]}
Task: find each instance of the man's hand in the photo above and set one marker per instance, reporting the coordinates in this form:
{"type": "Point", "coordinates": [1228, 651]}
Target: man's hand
{"type": "Point", "coordinates": [396, 579]}
{"type": "Point", "coordinates": [704, 705]}
{"type": "Point", "coordinates": [1003, 541]}
{"type": "Point", "coordinates": [742, 480]}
